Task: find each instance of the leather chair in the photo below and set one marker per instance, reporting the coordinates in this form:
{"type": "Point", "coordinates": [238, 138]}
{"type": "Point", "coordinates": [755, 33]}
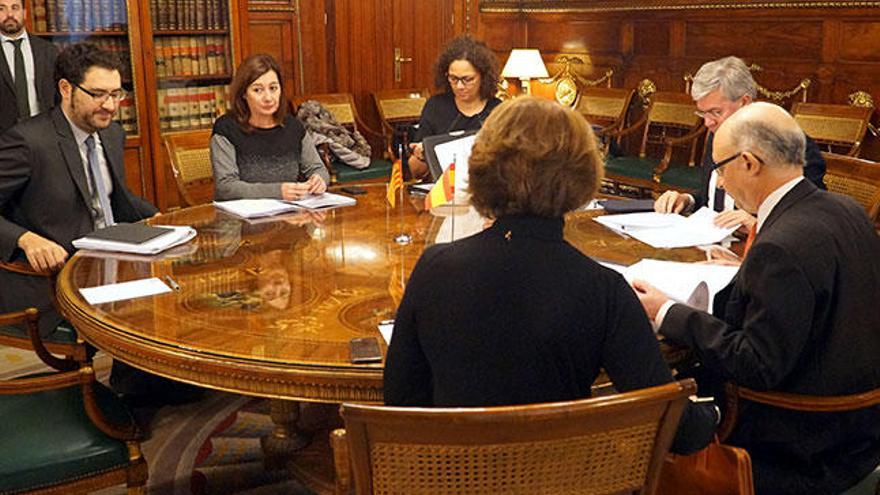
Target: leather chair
{"type": "Point", "coordinates": [857, 178]}
{"type": "Point", "coordinates": [343, 109]}
{"type": "Point", "coordinates": [668, 123]}
{"type": "Point", "coordinates": [62, 341]}
{"type": "Point", "coordinates": [839, 128]}
{"type": "Point", "coordinates": [63, 433]}
{"type": "Point", "coordinates": [191, 164]}
{"type": "Point", "coordinates": [601, 445]}
{"type": "Point", "coordinates": [398, 109]}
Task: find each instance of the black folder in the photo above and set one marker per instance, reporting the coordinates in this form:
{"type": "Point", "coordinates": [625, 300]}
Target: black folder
{"type": "Point", "coordinates": [627, 205]}
{"type": "Point", "coordinates": [130, 233]}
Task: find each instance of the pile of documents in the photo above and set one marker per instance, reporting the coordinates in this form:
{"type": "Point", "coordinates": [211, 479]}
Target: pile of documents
{"type": "Point", "coordinates": [256, 208]}
{"type": "Point", "coordinates": [136, 238]}
{"type": "Point", "coordinates": [668, 230]}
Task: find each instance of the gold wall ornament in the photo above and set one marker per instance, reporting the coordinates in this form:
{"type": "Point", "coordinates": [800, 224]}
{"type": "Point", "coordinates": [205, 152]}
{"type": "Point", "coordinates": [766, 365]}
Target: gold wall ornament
{"type": "Point", "coordinates": [861, 99]}
{"type": "Point", "coordinates": [779, 96]}
{"type": "Point", "coordinates": [646, 88]}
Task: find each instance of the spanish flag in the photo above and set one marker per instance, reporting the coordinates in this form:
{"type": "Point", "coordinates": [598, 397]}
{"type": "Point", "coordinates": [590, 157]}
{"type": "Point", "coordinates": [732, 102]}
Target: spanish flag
{"type": "Point", "coordinates": [443, 190]}
{"type": "Point", "coordinates": [395, 183]}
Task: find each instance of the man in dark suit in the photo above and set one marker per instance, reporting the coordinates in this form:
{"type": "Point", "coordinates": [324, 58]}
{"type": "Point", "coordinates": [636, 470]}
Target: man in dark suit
{"type": "Point", "coordinates": [800, 316]}
{"type": "Point", "coordinates": [720, 88]}
{"type": "Point", "coordinates": [23, 95]}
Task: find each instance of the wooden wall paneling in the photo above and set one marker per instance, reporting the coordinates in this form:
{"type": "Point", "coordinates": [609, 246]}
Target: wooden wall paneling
{"type": "Point", "coordinates": [272, 30]}
{"type": "Point", "coordinates": [313, 21]}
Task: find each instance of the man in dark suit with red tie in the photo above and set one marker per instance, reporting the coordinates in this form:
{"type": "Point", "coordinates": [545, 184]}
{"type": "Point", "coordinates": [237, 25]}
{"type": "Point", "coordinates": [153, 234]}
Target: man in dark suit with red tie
{"type": "Point", "coordinates": [27, 68]}
{"type": "Point", "coordinates": [720, 88]}
{"type": "Point", "coordinates": [800, 316]}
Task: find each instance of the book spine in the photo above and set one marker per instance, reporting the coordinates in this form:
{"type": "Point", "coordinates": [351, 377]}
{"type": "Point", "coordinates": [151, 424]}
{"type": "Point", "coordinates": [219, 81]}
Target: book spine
{"type": "Point", "coordinates": [195, 111]}
{"type": "Point", "coordinates": [206, 110]}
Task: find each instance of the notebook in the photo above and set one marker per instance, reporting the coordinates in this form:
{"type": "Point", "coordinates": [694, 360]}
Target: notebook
{"type": "Point", "coordinates": [131, 233]}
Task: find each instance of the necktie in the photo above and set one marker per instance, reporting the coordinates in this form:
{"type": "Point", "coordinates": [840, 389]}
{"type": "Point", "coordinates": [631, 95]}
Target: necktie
{"type": "Point", "coordinates": [718, 204]}
{"type": "Point", "coordinates": [105, 214]}
{"type": "Point", "coordinates": [21, 85]}
{"type": "Point", "coordinates": [750, 239]}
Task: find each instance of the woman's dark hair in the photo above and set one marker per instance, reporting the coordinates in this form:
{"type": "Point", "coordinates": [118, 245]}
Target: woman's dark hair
{"type": "Point", "coordinates": [74, 61]}
{"type": "Point", "coordinates": [478, 54]}
{"type": "Point", "coordinates": [251, 69]}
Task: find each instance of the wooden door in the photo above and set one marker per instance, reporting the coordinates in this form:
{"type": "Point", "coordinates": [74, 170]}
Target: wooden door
{"type": "Point", "coordinates": [419, 31]}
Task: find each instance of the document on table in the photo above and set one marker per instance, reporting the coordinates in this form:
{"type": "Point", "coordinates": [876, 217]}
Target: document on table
{"type": "Point", "coordinates": [174, 235]}
{"type": "Point", "coordinates": [124, 290]}
{"type": "Point", "coordinates": [667, 230]}
{"type": "Point", "coordinates": [255, 208]}
{"type": "Point", "coordinates": [694, 284]}
{"type": "Point", "coordinates": [321, 201]}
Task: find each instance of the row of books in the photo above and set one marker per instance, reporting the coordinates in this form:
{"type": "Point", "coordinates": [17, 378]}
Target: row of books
{"type": "Point", "coordinates": [189, 14]}
{"type": "Point", "coordinates": [126, 115]}
{"type": "Point", "coordinates": [119, 46]}
{"type": "Point", "coordinates": [80, 15]}
{"type": "Point", "coordinates": [191, 108]}
{"type": "Point", "coordinates": [191, 56]}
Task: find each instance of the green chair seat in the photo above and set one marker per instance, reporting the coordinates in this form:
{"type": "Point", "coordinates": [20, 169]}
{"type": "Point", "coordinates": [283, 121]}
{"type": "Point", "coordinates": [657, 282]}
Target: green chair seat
{"type": "Point", "coordinates": [64, 333]}
{"type": "Point", "coordinates": [379, 168]}
{"type": "Point", "coordinates": [682, 177]}
{"type": "Point", "coordinates": [630, 166]}
{"type": "Point", "coordinates": [48, 438]}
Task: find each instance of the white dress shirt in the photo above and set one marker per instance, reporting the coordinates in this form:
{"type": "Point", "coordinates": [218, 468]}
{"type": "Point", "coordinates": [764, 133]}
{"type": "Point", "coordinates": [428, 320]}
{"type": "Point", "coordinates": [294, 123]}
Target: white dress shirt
{"type": "Point", "coordinates": [28, 55]}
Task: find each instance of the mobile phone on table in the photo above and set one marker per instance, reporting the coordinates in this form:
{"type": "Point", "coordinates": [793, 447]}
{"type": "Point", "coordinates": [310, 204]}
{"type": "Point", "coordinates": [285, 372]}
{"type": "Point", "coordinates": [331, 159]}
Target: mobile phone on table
{"type": "Point", "coordinates": [365, 350]}
{"type": "Point", "coordinates": [353, 190]}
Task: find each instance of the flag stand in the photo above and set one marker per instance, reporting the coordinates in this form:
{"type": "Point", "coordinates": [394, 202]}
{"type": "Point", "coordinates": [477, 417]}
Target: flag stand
{"type": "Point", "coordinates": [402, 238]}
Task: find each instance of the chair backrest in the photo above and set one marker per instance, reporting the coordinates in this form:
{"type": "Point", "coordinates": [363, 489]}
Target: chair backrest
{"type": "Point", "coordinates": [670, 115]}
{"type": "Point", "coordinates": [191, 163]}
{"type": "Point", "coordinates": [399, 108]}
{"type": "Point", "coordinates": [604, 105]}
{"type": "Point", "coordinates": [841, 128]}
{"type": "Point", "coordinates": [601, 445]}
{"type": "Point", "coordinates": [341, 105]}
{"type": "Point", "coordinates": [857, 178]}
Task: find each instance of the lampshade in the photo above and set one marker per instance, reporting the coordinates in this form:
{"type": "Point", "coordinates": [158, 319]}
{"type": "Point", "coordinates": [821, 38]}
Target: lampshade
{"type": "Point", "coordinates": [524, 63]}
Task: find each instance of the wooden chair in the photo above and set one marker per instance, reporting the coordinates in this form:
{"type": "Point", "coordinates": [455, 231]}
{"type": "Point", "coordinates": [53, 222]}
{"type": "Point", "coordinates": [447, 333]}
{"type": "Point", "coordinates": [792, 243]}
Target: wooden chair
{"type": "Point", "coordinates": [606, 110]}
{"type": "Point", "coordinates": [399, 108]}
{"type": "Point", "coordinates": [191, 163]}
{"type": "Point", "coordinates": [857, 178]}
{"type": "Point", "coordinates": [343, 108]}
{"type": "Point", "coordinates": [600, 445]}
{"type": "Point", "coordinates": [65, 434]}
{"type": "Point", "coordinates": [669, 122]}
{"type": "Point", "coordinates": [62, 341]}
{"type": "Point", "coordinates": [839, 128]}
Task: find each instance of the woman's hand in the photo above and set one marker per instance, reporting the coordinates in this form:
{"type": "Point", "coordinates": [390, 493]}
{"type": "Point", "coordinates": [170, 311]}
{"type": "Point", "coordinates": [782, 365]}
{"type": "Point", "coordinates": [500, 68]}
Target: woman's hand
{"type": "Point", "coordinates": [291, 191]}
{"type": "Point", "coordinates": [316, 184]}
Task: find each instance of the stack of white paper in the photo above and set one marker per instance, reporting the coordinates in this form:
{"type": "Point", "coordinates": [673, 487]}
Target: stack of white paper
{"type": "Point", "coordinates": [176, 236]}
{"type": "Point", "coordinates": [665, 230]}
{"type": "Point", "coordinates": [322, 201]}
{"type": "Point", "coordinates": [124, 290]}
{"type": "Point", "coordinates": [255, 208]}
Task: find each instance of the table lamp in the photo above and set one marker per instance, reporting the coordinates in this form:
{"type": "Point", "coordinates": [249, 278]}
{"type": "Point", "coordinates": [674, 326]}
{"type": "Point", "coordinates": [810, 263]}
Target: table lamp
{"type": "Point", "coordinates": [525, 64]}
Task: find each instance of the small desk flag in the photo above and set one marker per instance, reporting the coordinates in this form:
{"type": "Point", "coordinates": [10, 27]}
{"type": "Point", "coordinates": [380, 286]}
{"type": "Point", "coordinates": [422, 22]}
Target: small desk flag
{"type": "Point", "coordinates": [443, 190]}
{"type": "Point", "coordinates": [395, 184]}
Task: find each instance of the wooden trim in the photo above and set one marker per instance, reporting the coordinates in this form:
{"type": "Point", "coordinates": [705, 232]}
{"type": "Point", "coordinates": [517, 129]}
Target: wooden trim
{"type": "Point", "coordinates": [578, 6]}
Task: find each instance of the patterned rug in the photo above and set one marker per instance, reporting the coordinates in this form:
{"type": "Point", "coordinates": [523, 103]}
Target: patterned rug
{"type": "Point", "coordinates": [211, 446]}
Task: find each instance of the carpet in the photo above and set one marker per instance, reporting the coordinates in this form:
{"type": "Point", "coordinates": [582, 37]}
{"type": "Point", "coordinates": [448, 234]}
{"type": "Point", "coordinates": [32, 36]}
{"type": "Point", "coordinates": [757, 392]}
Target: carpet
{"type": "Point", "coordinates": [210, 446]}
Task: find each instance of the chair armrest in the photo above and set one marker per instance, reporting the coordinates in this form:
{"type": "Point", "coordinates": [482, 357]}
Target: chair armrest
{"type": "Point", "coordinates": [40, 383]}
{"type": "Point", "coordinates": [341, 463]}
{"type": "Point", "coordinates": [363, 127]}
{"type": "Point", "coordinates": [126, 432]}
{"type": "Point", "coordinates": [631, 129]}
{"type": "Point", "coordinates": [20, 267]}
{"type": "Point", "coordinates": [671, 141]}
{"type": "Point", "coordinates": [669, 144]}
{"type": "Point", "coordinates": [327, 158]}
{"type": "Point", "coordinates": [30, 317]}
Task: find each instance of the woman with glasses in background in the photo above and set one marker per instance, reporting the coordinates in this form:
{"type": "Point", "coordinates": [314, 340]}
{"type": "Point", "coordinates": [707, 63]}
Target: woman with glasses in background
{"type": "Point", "coordinates": [467, 71]}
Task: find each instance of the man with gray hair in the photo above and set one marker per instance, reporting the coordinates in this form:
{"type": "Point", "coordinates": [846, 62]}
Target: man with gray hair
{"type": "Point", "coordinates": [800, 315]}
{"type": "Point", "coordinates": [720, 88]}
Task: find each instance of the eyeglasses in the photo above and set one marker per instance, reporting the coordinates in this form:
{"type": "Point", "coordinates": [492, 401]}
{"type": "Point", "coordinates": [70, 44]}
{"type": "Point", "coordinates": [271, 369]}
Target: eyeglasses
{"type": "Point", "coordinates": [733, 157]}
{"type": "Point", "coordinates": [101, 96]}
{"type": "Point", "coordinates": [465, 81]}
{"type": "Point", "coordinates": [715, 113]}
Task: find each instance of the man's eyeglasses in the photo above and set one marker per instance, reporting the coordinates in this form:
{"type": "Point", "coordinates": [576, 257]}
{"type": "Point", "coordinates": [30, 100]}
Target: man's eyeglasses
{"type": "Point", "coordinates": [465, 81]}
{"type": "Point", "coordinates": [733, 157]}
{"type": "Point", "coordinates": [715, 113]}
{"type": "Point", "coordinates": [102, 96]}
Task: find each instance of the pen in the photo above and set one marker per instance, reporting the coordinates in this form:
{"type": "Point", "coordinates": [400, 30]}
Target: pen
{"type": "Point", "coordinates": [172, 283]}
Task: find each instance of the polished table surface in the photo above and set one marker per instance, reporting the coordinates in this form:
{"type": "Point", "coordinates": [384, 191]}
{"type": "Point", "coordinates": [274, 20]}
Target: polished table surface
{"type": "Point", "coordinates": [267, 308]}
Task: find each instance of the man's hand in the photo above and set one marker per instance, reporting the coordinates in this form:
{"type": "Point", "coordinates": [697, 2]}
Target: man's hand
{"type": "Point", "coordinates": [731, 218]}
{"type": "Point", "coordinates": [651, 298]}
{"type": "Point", "coordinates": [291, 191]}
{"type": "Point", "coordinates": [43, 255]}
{"type": "Point", "coordinates": [717, 255]}
{"type": "Point", "coordinates": [316, 184]}
{"type": "Point", "coordinates": [672, 202]}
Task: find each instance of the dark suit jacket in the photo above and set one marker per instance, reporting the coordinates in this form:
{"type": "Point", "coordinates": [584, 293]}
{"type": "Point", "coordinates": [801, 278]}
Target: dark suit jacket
{"type": "Point", "coordinates": [516, 315]}
{"type": "Point", "coordinates": [814, 169]}
{"type": "Point", "coordinates": [45, 54]}
{"type": "Point", "coordinates": [800, 316]}
{"type": "Point", "coordinates": [43, 189]}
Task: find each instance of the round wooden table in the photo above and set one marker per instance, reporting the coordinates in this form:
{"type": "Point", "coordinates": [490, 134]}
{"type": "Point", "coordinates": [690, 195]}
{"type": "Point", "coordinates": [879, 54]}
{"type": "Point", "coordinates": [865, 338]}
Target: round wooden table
{"type": "Point", "coordinates": [267, 307]}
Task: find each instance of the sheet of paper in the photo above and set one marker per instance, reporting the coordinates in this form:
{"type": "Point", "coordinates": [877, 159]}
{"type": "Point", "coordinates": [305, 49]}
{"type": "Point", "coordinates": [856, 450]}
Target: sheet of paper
{"type": "Point", "coordinates": [254, 208]}
{"type": "Point", "coordinates": [680, 281]}
{"type": "Point", "coordinates": [455, 227]}
{"type": "Point", "coordinates": [386, 328]}
{"type": "Point", "coordinates": [663, 230]}
{"type": "Point", "coordinates": [125, 290]}
{"type": "Point", "coordinates": [326, 200]}
{"type": "Point", "coordinates": [458, 151]}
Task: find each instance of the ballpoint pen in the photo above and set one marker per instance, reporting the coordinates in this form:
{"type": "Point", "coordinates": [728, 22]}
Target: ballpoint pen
{"type": "Point", "coordinates": [172, 283]}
